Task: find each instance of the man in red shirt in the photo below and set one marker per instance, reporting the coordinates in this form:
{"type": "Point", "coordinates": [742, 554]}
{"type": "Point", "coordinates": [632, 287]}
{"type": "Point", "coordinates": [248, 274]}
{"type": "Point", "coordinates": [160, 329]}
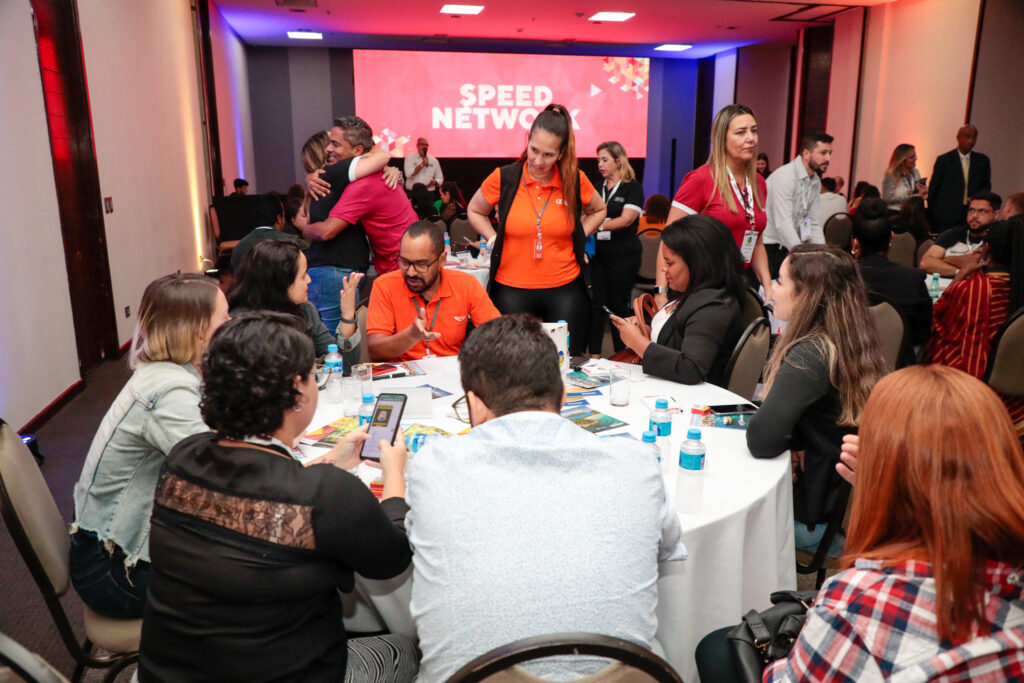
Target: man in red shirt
{"type": "Point", "coordinates": [423, 310]}
{"type": "Point", "coordinates": [384, 213]}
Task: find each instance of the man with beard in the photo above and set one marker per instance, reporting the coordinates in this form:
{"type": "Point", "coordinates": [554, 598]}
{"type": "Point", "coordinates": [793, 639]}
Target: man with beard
{"type": "Point", "coordinates": [794, 198]}
{"type": "Point", "coordinates": [960, 247]}
{"type": "Point", "coordinates": [422, 310]}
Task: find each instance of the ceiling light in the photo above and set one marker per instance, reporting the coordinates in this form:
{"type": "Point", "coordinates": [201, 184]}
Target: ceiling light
{"type": "Point", "coordinates": [305, 35]}
{"type": "Point", "coordinates": [612, 16]}
{"type": "Point", "coordinates": [673, 47]}
{"type": "Point", "coordinates": [462, 9]}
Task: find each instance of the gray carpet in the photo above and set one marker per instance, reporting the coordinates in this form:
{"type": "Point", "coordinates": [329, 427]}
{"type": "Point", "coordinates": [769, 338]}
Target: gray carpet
{"type": "Point", "coordinates": [63, 440]}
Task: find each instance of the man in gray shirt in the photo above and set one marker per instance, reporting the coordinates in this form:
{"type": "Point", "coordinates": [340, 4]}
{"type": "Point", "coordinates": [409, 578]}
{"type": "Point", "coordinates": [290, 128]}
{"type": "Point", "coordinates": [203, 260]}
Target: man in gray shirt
{"type": "Point", "coordinates": [529, 524]}
{"type": "Point", "coordinates": [794, 198]}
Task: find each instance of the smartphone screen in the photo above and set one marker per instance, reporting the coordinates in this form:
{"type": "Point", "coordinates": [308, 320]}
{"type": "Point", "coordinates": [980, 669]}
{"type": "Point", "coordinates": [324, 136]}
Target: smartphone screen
{"type": "Point", "coordinates": [733, 408]}
{"type": "Point", "coordinates": [387, 414]}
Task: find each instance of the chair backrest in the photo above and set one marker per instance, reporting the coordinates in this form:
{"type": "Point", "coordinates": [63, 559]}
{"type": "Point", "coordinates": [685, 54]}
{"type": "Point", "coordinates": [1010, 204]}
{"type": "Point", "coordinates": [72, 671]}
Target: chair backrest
{"type": "Point", "coordinates": [743, 371]}
{"type": "Point", "coordinates": [640, 664]}
{"type": "Point", "coordinates": [838, 229]}
{"type": "Point", "coordinates": [1005, 372]}
{"type": "Point", "coordinates": [362, 308]}
{"type": "Point", "coordinates": [27, 665]}
{"type": "Point", "coordinates": [903, 249]}
{"type": "Point", "coordinates": [751, 307]}
{"type": "Point", "coordinates": [461, 230]}
{"type": "Point", "coordinates": [891, 330]}
{"type": "Point", "coordinates": [650, 240]}
{"type": "Point", "coordinates": [924, 247]}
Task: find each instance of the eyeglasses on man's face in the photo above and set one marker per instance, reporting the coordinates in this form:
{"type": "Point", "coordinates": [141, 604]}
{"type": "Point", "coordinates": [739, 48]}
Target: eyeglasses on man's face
{"type": "Point", "coordinates": [418, 266]}
{"type": "Point", "coordinates": [461, 408]}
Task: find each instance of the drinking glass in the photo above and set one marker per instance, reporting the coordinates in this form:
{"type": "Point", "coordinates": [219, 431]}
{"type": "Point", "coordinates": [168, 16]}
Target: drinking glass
{"type": "Point", "coordinates": [618, 386]}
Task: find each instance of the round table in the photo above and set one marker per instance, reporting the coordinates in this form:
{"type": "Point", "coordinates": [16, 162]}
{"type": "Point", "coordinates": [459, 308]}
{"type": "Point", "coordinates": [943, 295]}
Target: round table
{"type": "Point", "coordinates": [740, 544]}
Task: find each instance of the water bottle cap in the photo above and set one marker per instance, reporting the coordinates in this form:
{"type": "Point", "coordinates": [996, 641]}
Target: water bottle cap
{"type": "Point", "coordinates": [649, 437]}
{"type": "Point", "coordinates": [690, 461]}
{"type": "Point", "coordinates": [332, 348]}
{"type": "Point", "coordinates": [561, 322]}
{"type": "Point", "coordinates": [367, 398]}
{"type": "Point", "coordinates": [661, 404]}
{"type": "Point", "coordinates": [693, 433]}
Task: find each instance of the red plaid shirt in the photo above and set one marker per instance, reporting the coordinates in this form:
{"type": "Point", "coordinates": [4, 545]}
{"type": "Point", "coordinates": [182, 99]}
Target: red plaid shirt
{"type": "Point", "coordinates": [875, 624]}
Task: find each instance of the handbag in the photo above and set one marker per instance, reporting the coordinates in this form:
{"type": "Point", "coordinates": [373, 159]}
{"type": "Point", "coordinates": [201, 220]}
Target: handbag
{"type": "Point", "coordinates": [763, 637]}
{"type": "Point", "coordinates": [644, 310]}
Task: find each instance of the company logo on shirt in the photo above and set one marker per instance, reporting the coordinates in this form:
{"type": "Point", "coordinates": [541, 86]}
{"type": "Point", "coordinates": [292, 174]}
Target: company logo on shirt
{"type": "Point", "coordinates": [559, 201]}
{"type": "Point", "coordinates": [459, 318]}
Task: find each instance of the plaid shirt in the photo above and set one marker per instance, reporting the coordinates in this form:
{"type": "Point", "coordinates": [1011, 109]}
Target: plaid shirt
{"type": "Point", "coordinates": [874, 624]}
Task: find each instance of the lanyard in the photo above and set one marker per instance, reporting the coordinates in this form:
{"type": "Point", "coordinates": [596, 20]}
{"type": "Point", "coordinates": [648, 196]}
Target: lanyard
{"type": "Point", "coordinates": [747, 198]}
{"type": "Point", "coordinates": [432, 320]}
{"type": "Point", "coordinates": [611, 194]}
{"type": "Point", "coordinates": [533, 205]}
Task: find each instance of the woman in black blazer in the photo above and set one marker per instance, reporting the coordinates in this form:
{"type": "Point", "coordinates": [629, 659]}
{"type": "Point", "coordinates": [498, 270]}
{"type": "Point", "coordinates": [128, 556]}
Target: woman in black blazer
{"type": "Point", "coordinates": [693, 335]}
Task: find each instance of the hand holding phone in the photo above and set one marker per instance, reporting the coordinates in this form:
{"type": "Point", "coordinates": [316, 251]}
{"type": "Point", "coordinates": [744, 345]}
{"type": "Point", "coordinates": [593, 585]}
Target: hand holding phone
{"type": "Point", "coordinates": [608, 311]}
{"type": "Point", "coordinates": [387, 414]}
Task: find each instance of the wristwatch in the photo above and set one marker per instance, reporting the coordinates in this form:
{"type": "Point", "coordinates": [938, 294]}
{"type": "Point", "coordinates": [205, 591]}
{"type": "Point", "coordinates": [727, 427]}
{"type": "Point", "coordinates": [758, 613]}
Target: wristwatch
{"type": "Point", "coordinates": [659, 290]}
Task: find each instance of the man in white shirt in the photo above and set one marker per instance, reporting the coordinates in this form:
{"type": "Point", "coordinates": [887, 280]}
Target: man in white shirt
{"type": "Point", "coordinates": [831, 202]}
{"type": "Point", "coordinates": [794, 200]}
{"type": "Point", "coordinates": [529, 524]}
{"type": "Point", "coordinates": [423, 168]}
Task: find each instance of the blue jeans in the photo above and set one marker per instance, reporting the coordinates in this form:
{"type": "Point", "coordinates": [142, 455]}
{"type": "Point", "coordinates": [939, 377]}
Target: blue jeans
{"type": "Point", "coordinates": [808, 540]}
{"type": "Point", "coordinates": [325, 285]}
{"type": "Point", "coordinates": [103, 582]}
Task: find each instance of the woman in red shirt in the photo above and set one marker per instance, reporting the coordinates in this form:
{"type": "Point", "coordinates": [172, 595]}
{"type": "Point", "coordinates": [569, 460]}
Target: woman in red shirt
{"type": "Point", "coordinates": [546, 210]}
{"type": "Point", "coordinates": [729, 188]}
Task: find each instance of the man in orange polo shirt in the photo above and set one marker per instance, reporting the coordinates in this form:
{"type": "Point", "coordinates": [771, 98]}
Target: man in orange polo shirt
{"type": "Point", "coordinates": [421, 309]}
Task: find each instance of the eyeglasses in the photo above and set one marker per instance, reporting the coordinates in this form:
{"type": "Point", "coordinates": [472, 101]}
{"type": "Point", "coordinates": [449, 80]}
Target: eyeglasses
{"type": "Point", "coordinates": [461, 408]}
{"type": "Point", "coordinates": [418, 266]}
{"type": "Point", "coordinates": [978, 211]}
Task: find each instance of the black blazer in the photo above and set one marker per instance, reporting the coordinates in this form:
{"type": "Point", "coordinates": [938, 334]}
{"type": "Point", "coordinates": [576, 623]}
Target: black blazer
{"type": "Point", "coordinates": [903, 286]}
{"type": "Point", "coordinates": [946, 187]}
{"type": "Point", "coordinates": [696, 341]}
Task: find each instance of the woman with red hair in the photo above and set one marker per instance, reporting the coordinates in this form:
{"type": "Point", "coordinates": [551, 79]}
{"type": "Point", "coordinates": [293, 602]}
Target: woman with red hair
{"type": "Point", "coordinates": [934, 563]}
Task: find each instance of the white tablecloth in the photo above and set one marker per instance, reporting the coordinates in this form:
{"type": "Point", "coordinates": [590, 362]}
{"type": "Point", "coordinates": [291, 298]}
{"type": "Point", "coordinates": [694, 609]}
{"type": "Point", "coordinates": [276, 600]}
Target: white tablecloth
{"type": "Point", "coordinates": [479, 272]}
{"type": "Point", "coordinates": [740, 544]}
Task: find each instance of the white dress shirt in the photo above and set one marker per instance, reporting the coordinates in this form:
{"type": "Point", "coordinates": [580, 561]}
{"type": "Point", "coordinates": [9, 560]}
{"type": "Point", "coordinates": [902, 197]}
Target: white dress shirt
{"type": "Point", "coordinates": [430, 175]}
{"type": "Point", "coordinates": [830, 204]}
{"type": "Point", "coordinates": [793, 206]}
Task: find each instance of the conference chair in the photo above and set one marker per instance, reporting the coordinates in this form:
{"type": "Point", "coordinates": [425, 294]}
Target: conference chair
{"type": "Point", "coordinates": [633, 663]}
{"type": "Point", "coordinates": [1005, 371]}
{"type": "Point", "coordinates": [362, 308]}
{"type": "Point", "coordinates": [751, 307]}
{"type": "Point", "coordinates": [821, 561]}
{"type": "Point", "coordinates": [891, 327]}
{"type": "Point", "coordinates": [925, 246]}
{"type": "Point", "coordinates": [903, 249]}
{"type": "Point", "coordinates": [27, 666]}
{"type": "Point", "coordinates": [838, 229]}
{"type": "Point", "coordinates": [460, 230]}
{"type": "Point", "coordinates": [743, 371]}
{"type": "Point", "coordinates": [41, 537]}
{"type": "Point", "coordinates": [650, 240]}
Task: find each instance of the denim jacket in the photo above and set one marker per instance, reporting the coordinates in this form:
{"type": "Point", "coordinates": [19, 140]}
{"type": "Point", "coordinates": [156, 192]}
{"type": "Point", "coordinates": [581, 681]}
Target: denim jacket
{"type": "Point", "coordinates": [158, 407]}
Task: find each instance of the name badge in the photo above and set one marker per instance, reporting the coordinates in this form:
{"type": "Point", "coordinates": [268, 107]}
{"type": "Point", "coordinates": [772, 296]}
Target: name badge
{"type": "Point", "coordinates": [805, 229]}
{"type": "Point", "coordinates": [604, 235]}
{"type": "Point", "coordinates": [747, 246]}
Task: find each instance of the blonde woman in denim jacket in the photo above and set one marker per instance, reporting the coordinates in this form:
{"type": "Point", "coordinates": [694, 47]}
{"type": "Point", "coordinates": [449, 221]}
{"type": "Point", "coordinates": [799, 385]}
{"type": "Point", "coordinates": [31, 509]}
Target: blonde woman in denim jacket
{"type": "Point", "coordinates": [158, 407]}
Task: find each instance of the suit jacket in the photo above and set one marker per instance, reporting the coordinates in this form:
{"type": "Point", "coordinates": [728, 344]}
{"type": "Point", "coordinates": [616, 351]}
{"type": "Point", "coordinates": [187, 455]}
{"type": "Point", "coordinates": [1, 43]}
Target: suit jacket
{"type": "Point", "coordinates": [696, 341]}
{"type": "Point", "coordinates": [904, 287]}
{"type": "Point", "coordinates": [946, 187]}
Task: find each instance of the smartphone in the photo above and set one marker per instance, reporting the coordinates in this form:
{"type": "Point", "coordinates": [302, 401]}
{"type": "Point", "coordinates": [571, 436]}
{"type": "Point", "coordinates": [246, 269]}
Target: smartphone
{"type": "Point", "coordinates": [607, 310]}
{"type": "Point", "coordinates": [387, 414]}
{"type": "Point", "coordinates": [732, 408]}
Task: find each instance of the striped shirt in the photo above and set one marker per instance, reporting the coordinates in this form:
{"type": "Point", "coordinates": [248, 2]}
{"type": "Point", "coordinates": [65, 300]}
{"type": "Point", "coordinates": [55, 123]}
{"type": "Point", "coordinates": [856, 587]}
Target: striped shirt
{"type": "Point", "coordinates": [871, 623]}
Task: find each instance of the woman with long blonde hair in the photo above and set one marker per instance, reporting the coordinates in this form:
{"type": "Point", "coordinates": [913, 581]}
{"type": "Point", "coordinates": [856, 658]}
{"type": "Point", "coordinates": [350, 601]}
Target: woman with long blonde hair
{"type": "Point", "coordinates": [729, 188]}
{"type": "Point", "coordinates": [902, 179]}
{"type": "Point", "coordinates": [818, 378]}
{"type": "Point", "coordinates": [934, 564]}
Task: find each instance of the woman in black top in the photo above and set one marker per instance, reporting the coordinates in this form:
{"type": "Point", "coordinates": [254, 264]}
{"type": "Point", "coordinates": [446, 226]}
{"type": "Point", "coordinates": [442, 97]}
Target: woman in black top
{"type": "Point", "coordinates": [249, 547]}
{"type": "Point", "coordinates": [618, 252]}
{"type": "Point", "coordinates": [693, 335]}
{"type": "Point", "coordinates": [452, 204]}
{"type": "Point", "coordinates": [818, 378]}
{"type": "Point", "coordinates": [273, 277]}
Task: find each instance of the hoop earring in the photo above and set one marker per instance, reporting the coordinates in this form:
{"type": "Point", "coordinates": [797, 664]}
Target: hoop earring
{"type": "Point", "coordinates": [297, 408]}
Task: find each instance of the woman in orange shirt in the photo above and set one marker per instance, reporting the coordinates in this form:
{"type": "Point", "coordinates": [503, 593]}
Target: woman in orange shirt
{"type": "Point", "coordinates": [546, 210]}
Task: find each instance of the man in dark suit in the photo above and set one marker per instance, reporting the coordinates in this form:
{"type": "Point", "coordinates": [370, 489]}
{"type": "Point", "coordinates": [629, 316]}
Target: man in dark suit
{"type": "Point", "coordinates": [904, 287]}
{"type": "Point", "coordinates": [948, 191]}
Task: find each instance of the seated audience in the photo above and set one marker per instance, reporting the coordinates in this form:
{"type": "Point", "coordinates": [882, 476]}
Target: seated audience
{"type": "Point", "coordinates": [863, 190]}
{"type": "Point", "coordinates": [273, 277]}
{"type": "Point", "coordinates": [831, 202]}
{"type": "Point", "coordinates": [1014, 205]}
{"type": "Point", "coordinates": [655, 213]}
{"type": "Point", "coordinates": [902, 286]}
{"type": "Point", "coordinates": [399, 327]}
{"type": "Point", "coordinates": [422, 202]}
{"type": "Point", "coordinates": [972, 309]}
{"type": "Point", "coordinates": [268, 213]}
{"type": "Point", "coordinates": [694, 334]}
{"type": "Point", "coordinates": [817, 379]}
{"type": "Point", "coordinates": [573, 541]}
{"type": "Point", "coordinates": [955, 248]}
{"type": "Point", "coordinates": [250, 548]}
{"type": "Point", "coordinates": [913, 218]}
{"type": "Point", "coordinates": [930, 589]}
{"type": "Point", "coordinates": [452, 204]}
{"type": "Point", "coordinates": [158, 407]}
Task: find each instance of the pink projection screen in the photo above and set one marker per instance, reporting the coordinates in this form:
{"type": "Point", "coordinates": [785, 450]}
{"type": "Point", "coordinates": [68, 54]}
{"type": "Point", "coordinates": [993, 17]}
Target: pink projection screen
{"type": "Point", "coordinates": [482, 105]}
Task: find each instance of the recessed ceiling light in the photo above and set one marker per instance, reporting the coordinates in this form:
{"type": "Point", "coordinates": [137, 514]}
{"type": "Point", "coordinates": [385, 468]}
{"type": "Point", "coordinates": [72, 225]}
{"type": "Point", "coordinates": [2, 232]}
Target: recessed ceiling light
{"type": "Point", "coordinates": [462, 9]}
{"type": "Point", "coordinates": [612, 16]}
{"type": "Point", "coordinates": [673, 47]}
{"type": "Point", "coordinates": [305, 35]}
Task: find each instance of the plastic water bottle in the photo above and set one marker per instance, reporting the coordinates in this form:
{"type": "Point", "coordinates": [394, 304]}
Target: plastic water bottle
{"type": "Point", "coordinates": [484, 258]}
{"type": "Point", "coordinates": [935, 288]}
{"type": "Point", "coordinates": [651, 438]}
{"type": "Point", "coordinates": [447, 247]}
{"type": "Point", "coordinates": [690, 484]}
{"type": "Point", "coordinates": [333, 363]}
{"type": "Point", "coordinates": [366, 410]}
{"type": "Point", "coordinates": [661, 420]}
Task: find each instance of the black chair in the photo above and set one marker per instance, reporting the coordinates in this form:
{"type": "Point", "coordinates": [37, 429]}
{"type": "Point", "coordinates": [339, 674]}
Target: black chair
{"type": "Point", "coordinates": [640, 664]}
{"type": "Point", "coordinates": [820, 562]}
{"type": "Point", "coordinates": [751, 307]}
{"type": "Point", "coordinates": [893, 330]}
{"type": "Point", "coordinates": [29, 666]}
{"type": "Point", "coordinates": [743, 371]}
{"type": "Point", "coordinates": [838, 229]}
{"type": "Point", "coordinates": [650, 240]}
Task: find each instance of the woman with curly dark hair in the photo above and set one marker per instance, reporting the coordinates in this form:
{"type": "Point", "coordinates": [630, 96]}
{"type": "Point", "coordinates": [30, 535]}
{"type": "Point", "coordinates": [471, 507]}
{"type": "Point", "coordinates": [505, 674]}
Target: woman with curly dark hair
{"type": "Point", "coordinates": [249, 547]}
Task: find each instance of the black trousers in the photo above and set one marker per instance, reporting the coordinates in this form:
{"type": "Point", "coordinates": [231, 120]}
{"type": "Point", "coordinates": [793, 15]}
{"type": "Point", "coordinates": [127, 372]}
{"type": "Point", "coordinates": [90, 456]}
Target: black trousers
{"type": "Point", "coordinates": [611, 282]}
{"type": "Point", "coordinates": [568, 302]}
{"type": "Point", "coordinates": [776, 255]}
